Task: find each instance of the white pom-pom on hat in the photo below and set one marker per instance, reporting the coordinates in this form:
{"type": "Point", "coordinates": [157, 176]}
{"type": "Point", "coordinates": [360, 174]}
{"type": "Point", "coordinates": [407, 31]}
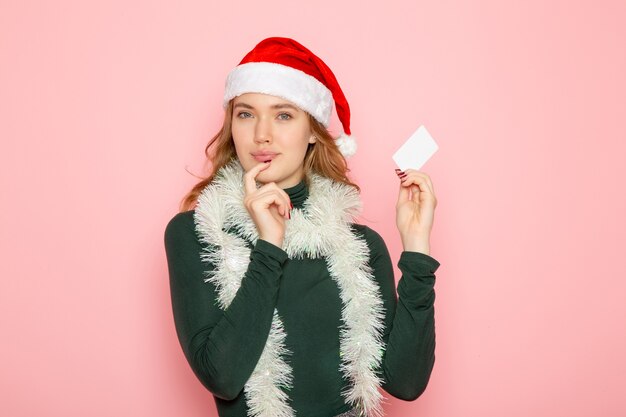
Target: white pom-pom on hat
{"type": "Point", "coordinates": [346, 144]}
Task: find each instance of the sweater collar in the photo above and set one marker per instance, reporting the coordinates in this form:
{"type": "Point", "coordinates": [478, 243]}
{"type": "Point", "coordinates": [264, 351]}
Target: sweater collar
{"type": "Point", "coordinates": [298, 194]}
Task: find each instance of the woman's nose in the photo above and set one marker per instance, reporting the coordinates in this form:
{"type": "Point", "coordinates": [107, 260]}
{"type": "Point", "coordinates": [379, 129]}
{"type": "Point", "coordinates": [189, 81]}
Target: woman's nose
{"type": "Point", "coordinates": [263, 131]}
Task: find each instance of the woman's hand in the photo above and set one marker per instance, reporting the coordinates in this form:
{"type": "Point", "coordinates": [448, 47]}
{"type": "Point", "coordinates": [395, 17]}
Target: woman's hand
{"type": "Point", "coordinates": [267, 205]}
{"type": "Point", "coordinates": [415, 210]}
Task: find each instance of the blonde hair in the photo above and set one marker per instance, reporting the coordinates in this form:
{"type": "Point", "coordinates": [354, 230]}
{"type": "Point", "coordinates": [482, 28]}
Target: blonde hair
{"type": "Point", "coordinates": [322, 157]}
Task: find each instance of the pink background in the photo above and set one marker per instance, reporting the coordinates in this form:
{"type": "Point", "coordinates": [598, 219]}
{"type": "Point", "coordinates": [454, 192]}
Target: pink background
{"type": "Point", "coordinates": [105, 104]}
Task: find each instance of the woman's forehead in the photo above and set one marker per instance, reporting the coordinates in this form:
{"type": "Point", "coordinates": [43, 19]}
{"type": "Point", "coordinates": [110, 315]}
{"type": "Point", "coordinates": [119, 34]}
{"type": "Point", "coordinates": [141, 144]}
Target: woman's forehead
{"type": "Point", "coordinates": [263, 99]}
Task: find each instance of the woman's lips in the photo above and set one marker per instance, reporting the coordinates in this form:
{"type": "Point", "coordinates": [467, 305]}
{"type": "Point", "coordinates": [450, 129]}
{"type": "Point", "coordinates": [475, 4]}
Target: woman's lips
{"type": "Point", "coordinates": [262, 157]}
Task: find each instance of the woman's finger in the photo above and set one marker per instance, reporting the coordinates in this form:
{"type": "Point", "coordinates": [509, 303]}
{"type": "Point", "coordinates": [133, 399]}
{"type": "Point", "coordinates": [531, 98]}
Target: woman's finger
{"type": "Point", "coordinates": [407, 192]}
{"type": "Point", "coordinates": [404, 195]}
{"type": "Point", "coordinates": [419, 179]}
{"type": "Point", "coordinates": [415, 193]}
{"type": "Point", "coordinates": [270, 194]}
{"type": "Point", "coordinates": [250, 176]}
{"type": "Point", "coordinates": [424, 185]}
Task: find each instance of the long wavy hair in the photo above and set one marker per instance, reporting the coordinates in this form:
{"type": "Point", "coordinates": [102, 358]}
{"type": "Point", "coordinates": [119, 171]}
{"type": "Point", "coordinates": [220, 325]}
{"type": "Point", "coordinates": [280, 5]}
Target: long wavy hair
{"type": "Point", "coordinates": [322, 157]}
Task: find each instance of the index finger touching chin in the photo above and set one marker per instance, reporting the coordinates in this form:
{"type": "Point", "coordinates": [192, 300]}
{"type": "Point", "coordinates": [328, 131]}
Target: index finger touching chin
{"type": "Point", "coordinates": [250, 176]}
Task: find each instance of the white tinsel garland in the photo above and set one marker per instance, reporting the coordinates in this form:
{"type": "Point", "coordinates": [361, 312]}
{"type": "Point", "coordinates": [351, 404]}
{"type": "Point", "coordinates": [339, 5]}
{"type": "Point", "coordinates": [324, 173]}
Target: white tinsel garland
{"type": "Point", "coordinates": [321, 228]}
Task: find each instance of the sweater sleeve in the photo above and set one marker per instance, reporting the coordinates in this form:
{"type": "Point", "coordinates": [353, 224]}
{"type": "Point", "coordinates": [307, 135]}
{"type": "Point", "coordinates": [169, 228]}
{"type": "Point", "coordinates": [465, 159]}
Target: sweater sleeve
{"type": "Point", "coordinates": [221, 346]}
{"type": "Point", "coordinates": [409, 318]}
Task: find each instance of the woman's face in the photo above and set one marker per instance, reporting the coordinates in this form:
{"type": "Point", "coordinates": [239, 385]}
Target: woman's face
{"type": "Point", "coordinates": [266, 127]}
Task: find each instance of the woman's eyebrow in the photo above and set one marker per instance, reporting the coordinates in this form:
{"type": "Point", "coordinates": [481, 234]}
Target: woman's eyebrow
{"type": "Point", "coordinates": [285, 106]}
{"type": "Point", "coordinates": [244, 105]}
{"type": "Point", "coordinates": [275, 106]}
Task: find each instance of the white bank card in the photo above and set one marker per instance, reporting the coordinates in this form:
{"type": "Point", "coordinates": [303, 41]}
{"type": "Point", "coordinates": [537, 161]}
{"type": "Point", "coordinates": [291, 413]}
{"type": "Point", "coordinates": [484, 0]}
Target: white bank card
{"type": "Point", "coordinates": [416, 150]}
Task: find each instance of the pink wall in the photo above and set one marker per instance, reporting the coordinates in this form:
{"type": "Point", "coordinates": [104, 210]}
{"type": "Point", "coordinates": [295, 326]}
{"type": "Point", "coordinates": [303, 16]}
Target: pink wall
{"type": "Point", "coordinates": [103, 106]}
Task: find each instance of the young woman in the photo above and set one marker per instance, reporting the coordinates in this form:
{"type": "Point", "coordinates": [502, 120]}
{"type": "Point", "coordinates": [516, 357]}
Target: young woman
{"type": "Point", "coordinates": [283, 305]}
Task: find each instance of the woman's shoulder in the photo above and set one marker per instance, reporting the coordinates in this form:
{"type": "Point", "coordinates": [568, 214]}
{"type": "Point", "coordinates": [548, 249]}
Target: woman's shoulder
{"type": "Point", "coordinates": [180, 227]}
{"type": "Point", "coordinates": [181, 219]}
{"type": "Point", "coordinates": [371, 236]}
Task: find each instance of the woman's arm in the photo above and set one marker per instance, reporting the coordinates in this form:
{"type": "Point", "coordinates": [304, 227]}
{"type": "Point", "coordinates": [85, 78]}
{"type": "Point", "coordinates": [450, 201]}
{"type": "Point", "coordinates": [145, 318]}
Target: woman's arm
{"type": "Point", "coordinates": [409, 320]}
{"type": "Point", "coordinates": [221, 346]}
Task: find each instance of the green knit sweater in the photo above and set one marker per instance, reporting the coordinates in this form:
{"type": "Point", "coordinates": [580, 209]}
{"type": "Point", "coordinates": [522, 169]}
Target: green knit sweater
{"type": "Point", "coordinates": [223, 346]}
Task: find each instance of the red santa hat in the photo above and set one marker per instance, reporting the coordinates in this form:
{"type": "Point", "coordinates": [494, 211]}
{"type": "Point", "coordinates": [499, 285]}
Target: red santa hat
{"type": "Point", "coordinates": [284, 68]}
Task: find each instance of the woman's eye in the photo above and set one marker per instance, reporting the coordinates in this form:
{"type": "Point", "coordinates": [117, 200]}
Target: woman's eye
{"type": "Point", "coordinates": [242, 113]}
{"type": "Point", "coordinates": [288, 116]}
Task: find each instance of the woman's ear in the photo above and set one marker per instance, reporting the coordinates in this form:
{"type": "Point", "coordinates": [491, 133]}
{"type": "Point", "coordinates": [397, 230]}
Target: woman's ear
{"type": "Point", "coordinates": [313, 139]}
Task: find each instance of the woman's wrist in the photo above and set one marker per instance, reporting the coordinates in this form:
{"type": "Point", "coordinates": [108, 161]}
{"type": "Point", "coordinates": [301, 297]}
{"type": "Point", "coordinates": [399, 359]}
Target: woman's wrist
{"type": "Point", "coordinates": [274, 240]}
{"type": "Point", "coordinates": [421, 245]}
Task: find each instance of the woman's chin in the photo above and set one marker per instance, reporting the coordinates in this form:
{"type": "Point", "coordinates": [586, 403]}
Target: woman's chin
{"type": "Point", "coordinates": [265, 177]}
